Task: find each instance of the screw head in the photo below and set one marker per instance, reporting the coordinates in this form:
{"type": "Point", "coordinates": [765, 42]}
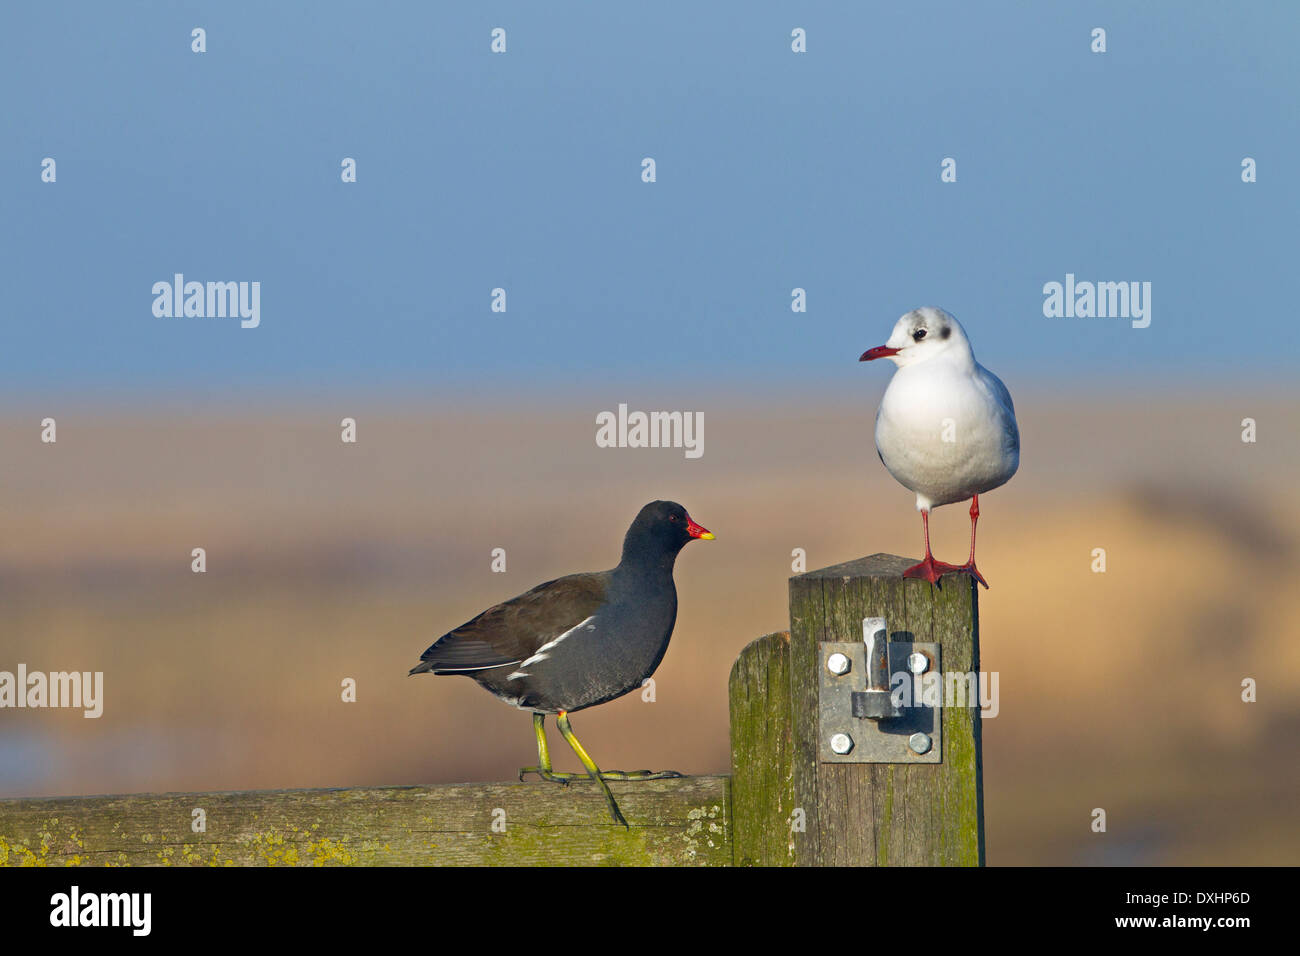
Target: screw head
{"type": "Point", "coordinates": [838, 663]}
{"type": "Point", "coordinates": [918, 663]}
{"type": "Point", "coordinates": [920, 743]}
{"type": "Point", "coordinates": [841, 744]}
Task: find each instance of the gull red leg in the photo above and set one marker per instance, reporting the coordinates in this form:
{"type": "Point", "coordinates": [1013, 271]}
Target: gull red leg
{"type": "Point", "coordinates": [929, 569]}
{"type": "Point", "coordinates": [969, 566]}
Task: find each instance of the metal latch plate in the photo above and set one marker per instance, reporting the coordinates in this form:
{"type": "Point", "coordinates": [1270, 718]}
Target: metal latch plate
{"type": "Point", "coordinates": [883, 741]}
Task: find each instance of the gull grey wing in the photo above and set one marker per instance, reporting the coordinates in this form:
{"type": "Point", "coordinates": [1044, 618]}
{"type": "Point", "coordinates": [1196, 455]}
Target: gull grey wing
{"type": "Point", "coordinates": [995, 388]}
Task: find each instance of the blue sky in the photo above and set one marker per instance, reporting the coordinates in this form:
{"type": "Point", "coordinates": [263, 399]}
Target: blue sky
{"type": "Point", "coordinates": [522, 170]}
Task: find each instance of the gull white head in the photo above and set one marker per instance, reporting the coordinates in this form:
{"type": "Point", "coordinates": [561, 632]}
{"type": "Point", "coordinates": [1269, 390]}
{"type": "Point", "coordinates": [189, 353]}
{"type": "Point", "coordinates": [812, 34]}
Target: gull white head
{"type": "Point", "coordinates": [921, 335]}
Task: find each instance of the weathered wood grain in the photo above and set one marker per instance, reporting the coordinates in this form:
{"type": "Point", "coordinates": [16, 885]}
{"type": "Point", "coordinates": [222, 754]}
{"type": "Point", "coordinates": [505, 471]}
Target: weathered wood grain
{"type": "Point", "coordinates": [762, 751]}
{"type": "Point", "coordinates": [886, 814]}
{"type": "Point", "coordinates": [673, 822]}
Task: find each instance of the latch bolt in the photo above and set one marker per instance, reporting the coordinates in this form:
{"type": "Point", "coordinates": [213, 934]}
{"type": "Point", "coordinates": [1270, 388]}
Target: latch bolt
{"type": "Point", "coordinates": [877, 701]}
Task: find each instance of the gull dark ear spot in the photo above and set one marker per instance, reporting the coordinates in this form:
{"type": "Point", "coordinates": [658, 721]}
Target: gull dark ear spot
{"type": "Point", "coordinates": [945, 331]}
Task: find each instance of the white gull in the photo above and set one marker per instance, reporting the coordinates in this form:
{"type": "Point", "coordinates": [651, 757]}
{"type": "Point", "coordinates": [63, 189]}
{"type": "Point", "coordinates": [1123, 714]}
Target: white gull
{"type": "Point", "coordinates": [946, 428]}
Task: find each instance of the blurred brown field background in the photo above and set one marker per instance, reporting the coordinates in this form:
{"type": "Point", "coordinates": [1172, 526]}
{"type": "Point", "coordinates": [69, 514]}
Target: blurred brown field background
{"type": "Point", "coordinates": [1119, 690]}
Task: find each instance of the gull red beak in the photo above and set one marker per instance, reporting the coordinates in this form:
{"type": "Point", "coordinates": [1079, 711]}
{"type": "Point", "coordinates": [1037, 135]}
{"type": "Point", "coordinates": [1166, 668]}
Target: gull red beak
{"type": "Point", "coordinates": [698, 531]}
{"type": "Point", "coordinates": [880, 351]}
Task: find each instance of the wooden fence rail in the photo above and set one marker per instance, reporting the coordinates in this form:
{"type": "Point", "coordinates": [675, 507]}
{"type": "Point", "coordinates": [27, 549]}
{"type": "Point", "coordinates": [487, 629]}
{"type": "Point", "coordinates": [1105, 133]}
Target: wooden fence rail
{"type": "Point", "coordinates": [782, 805]}
{"type": "Point", "coordinates": [675, 822]}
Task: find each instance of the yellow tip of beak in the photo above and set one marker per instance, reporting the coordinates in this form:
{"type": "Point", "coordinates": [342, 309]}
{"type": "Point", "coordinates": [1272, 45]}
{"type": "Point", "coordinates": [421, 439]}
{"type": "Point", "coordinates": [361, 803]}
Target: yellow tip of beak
{"type": "Point", "coordinates": [707, 536]}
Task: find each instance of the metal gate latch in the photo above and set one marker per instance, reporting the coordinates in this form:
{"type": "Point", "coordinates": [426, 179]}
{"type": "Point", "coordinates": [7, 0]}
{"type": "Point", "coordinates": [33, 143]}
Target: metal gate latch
{"type": "Point", "coordinates": [872, 701]}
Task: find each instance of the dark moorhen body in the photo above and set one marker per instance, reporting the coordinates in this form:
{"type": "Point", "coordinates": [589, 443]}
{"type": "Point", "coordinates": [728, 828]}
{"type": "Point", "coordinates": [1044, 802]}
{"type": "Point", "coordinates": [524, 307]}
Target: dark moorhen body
{"type": "Point", "coordinates": [579, 640]}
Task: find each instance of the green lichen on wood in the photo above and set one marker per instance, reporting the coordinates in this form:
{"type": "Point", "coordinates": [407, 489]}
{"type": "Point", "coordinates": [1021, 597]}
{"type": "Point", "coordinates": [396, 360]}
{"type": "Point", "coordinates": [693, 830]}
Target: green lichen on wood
{"type": "Point", "coordinates": [955, 613]}
{"type": "Point", "coordinates": [762, 770]}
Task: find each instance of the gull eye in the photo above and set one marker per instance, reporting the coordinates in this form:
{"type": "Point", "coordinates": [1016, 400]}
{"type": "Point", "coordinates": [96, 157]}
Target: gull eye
{"type": "Point", "coordinates": [918, 335]}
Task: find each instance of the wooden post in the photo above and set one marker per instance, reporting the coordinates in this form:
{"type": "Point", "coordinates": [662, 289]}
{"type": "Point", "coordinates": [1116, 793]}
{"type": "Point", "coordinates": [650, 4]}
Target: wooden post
{"type": "Point", "coordinates": [762, 754]}
{"type": "Point", "coordinates": [854, 814]}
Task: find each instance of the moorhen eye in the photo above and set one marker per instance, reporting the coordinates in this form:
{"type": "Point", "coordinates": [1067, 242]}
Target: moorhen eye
{"type": "Point", "coordinates": [918, 335]}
